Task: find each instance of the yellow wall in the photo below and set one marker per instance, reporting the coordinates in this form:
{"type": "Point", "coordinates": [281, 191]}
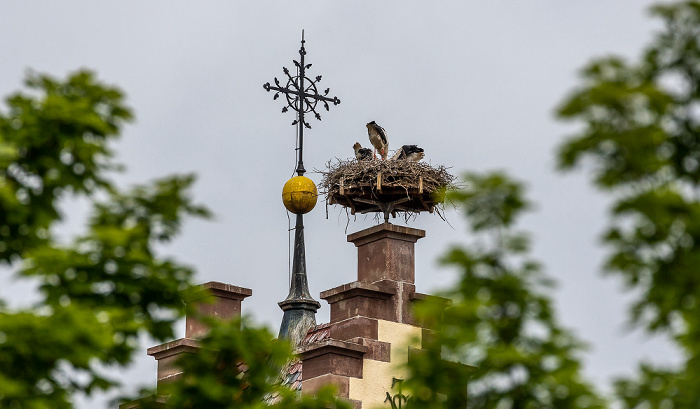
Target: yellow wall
{"type": "Point", "coordinates": [376, 375]}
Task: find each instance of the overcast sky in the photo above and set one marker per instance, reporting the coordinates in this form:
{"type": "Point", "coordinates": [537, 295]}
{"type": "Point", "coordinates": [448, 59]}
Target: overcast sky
{"type": "Point", "coordinates": [474, 83]}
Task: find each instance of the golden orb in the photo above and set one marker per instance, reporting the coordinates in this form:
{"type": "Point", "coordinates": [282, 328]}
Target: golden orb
{"type": "Point", "coordinates": [299, 195]}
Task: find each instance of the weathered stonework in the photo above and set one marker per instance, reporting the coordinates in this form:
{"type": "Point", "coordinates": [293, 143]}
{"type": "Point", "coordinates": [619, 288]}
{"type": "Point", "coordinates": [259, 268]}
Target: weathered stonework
{"type": "Point", "coordinates": [353, 327]}
{"type": "Point", "coordinates": [374, 312]}
{"type": "Point", "coordinates": [212, 299]}
{"type": "Point", "coordinates": [332, 357]}
{"type": "Point", "coordinates": [168, 353]}
{"type": "Point", "coordinates": [386, 252]}
{"type": "Point", "coordinates": [361, 299]}
{"type": "Point", "coordinates": [215, 300]}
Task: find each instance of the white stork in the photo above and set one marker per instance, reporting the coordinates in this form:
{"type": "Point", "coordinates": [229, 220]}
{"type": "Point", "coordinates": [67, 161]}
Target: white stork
{"type": "Point", "coordinates": [377, 137]}
{"type": "Point", "coordinates": [409, 152]}
{"type": "Point", "coordinates": [360, 152]}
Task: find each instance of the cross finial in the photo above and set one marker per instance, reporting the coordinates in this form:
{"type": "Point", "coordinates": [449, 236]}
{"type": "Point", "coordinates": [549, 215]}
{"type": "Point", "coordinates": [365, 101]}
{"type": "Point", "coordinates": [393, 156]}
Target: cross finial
{"type": "Point", "coordinates": [302, 96]}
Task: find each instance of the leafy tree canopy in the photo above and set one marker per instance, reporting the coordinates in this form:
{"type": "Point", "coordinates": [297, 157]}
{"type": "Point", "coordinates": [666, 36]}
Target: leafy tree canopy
{"type": "Point", "coordinates": [107, 287]}
{"type": "Point", "coordinates": [639, 135]}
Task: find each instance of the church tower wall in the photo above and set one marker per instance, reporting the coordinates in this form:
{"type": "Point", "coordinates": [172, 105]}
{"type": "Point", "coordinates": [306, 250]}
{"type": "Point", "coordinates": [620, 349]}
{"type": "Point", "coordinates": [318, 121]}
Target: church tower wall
{"type": "Point", "coordinates": [372, 327]}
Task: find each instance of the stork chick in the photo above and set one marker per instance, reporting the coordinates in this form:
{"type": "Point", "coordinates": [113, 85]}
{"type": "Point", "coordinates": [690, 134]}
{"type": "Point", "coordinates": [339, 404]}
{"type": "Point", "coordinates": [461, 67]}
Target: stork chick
{"type": "Point", "coordinates": [409, 152]}
{"type": "Point", "coordinates": [360, 152]}
{"type": "Point", "coordinates": [377, 137]}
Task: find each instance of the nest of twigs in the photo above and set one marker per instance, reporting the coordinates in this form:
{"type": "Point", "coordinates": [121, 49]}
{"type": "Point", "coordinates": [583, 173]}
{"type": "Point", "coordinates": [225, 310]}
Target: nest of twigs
{"type": "Point", "coordinates": [387, 186]}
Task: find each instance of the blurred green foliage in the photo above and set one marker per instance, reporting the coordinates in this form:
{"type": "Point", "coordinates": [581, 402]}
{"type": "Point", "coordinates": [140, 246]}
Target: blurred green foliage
{"type": "Point", "coordinates": [107, 287]}
{"type": "Point", "coordinates": [501, 320]}
{"type": "Point", "coordinates": [53, 140]}
{"type": "Point", "coordinates": [639, 135]}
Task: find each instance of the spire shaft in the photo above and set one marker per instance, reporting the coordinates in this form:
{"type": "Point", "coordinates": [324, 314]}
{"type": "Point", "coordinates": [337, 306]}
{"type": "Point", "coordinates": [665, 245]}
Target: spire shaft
{"type": "Point", "coordinates": [299, 307]}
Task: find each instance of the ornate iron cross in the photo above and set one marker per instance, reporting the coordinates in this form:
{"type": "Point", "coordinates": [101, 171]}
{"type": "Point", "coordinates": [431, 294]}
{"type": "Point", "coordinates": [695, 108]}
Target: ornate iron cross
{"type": "Point", "coordinates": [302, 96]}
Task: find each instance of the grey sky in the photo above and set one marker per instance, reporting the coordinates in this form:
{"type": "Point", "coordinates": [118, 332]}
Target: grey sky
{"type": "Point", "coordinates": [474, 83]}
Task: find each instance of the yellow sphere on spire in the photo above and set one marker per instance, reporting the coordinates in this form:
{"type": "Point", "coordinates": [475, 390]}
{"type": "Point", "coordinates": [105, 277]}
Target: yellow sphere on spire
{"type": "Point", "coordinates": [299, 195]}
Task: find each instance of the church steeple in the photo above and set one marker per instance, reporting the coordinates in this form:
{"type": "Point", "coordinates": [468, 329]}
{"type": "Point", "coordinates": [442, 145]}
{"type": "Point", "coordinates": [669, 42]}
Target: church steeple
{"type": "Point", "coordinates": [300, 195]}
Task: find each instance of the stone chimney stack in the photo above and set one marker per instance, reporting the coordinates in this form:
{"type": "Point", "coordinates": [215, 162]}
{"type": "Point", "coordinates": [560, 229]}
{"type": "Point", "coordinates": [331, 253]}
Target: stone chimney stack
{"type": "Point", "coordinates": [386, 252]}
{"type": "Point", "coordinates": [385, 286]}
{"type": "Point", "coordinates": [213, 299]}
{"type": "Point", "coordinates": [372, 326]}
{"type": "Point", "coordinates": [217, 300]}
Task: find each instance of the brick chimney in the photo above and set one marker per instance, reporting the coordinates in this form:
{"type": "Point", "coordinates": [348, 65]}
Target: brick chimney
{"type": "Point", "coordinates": [372, 323]}
{"type": "Point", "coordinates": [385, 285]}
{"type": "Point", "coordinates": [386, 252]}
{"type": "Point", "coordinates": [212, 299]}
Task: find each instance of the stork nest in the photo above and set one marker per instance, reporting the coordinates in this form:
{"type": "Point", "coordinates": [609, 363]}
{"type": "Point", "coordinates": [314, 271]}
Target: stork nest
{"type": "Point", "coordinates": [387, 186]}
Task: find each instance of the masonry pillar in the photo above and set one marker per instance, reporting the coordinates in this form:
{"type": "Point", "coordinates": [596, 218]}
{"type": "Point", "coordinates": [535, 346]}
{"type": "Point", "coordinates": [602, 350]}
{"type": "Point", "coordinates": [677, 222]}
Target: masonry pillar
{"type": "Point", "coordinates": [212, 299]}
{"type": "Point", "coordinates": [215, 300]}
{"type": "Point", "coordinates": [386, 252]}
{"type": "Point", "coordinates": [385, 287]}
{"type": "Point", "coordinates": [367, 316]}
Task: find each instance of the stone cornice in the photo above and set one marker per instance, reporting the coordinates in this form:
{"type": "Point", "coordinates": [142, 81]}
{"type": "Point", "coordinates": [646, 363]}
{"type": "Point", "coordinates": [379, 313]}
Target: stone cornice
{"type": "Point", "coordinates": [357, 289]}
{"type": "Point", "coordinates": [173, 348]}
{"type": "Point", "coordinates": [331, 346]}
{"type": "Point", "coordinates": [383, 231]}
{"type": "Point", "coordinates": [220, 290]}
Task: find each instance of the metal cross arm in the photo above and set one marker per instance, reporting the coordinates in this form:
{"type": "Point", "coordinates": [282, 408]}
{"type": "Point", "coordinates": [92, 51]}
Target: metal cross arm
{"type": "Point", "coordinates": [268, 87]}
{"type": "Point", "coordinates": [302, 100]}
{"type": "Point", "coordinates": [301, 91]}
{"type": "Point", "coordinates": [302, 96]}
{"type": "Point", "coordinates": [292, 81]}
